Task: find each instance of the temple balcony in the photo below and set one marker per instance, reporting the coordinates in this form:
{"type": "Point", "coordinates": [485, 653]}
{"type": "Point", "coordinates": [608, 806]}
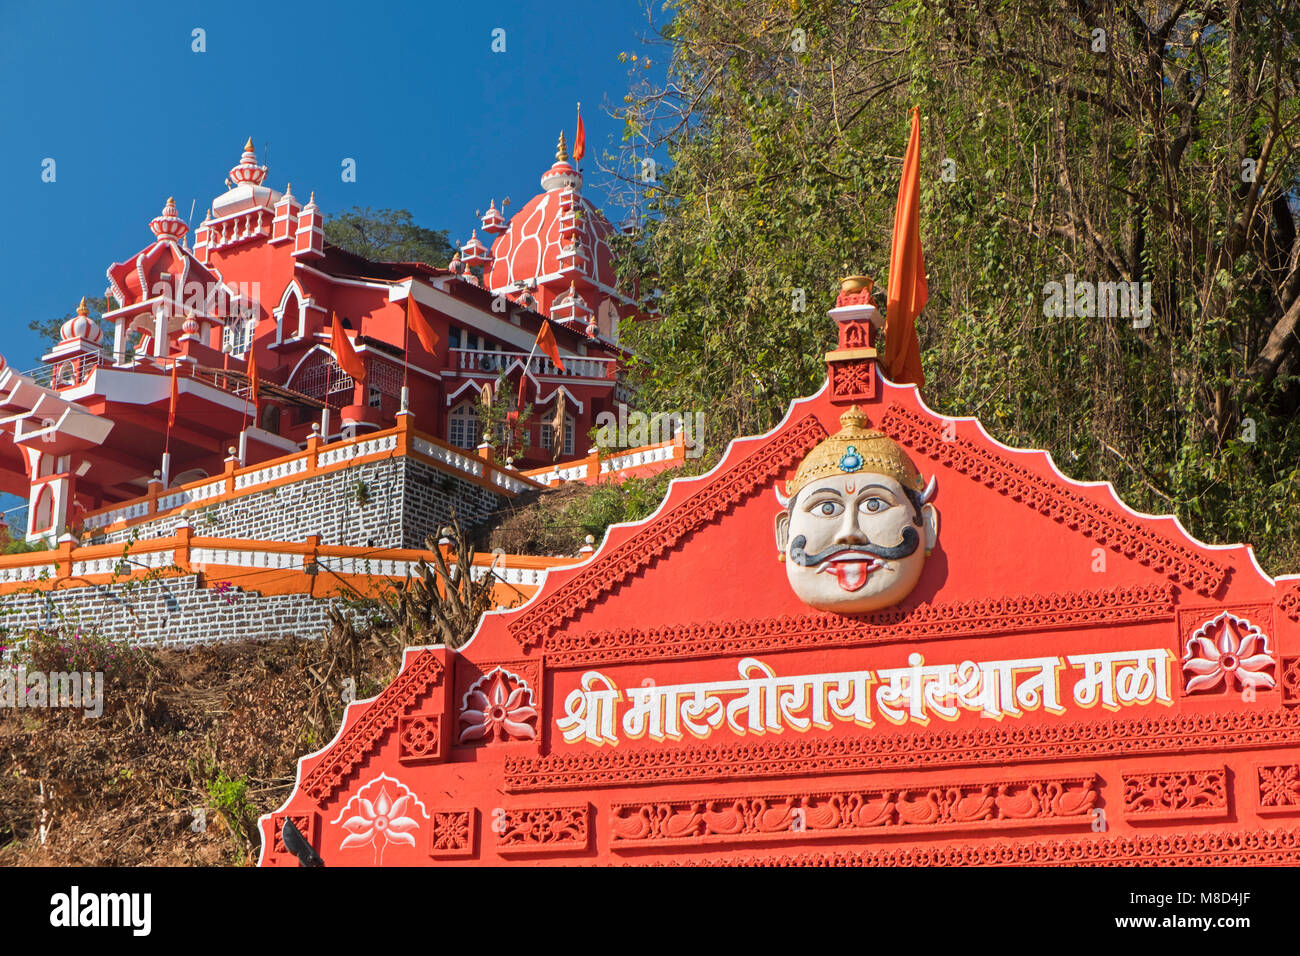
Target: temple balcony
{"type": "Point", "coordinates": [487, 361]}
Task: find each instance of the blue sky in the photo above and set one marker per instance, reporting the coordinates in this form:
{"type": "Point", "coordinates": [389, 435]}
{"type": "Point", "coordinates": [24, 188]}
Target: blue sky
{"type": "Point", "coordinates": [437, 122]}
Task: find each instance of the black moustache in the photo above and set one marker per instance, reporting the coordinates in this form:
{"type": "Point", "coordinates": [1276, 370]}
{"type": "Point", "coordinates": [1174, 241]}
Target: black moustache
{"type": "Point", "coordinates": [911, 541]}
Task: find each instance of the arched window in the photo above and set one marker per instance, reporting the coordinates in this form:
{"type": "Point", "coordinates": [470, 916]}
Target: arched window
{"type": "Point", "coordinates": [462, 426]}
{"type": "Point", "coordinates": [237, 334]}
{"type": "Point", "coordinates": [288, 325]}
{"type": "Point", "coordinates": [548, 435]}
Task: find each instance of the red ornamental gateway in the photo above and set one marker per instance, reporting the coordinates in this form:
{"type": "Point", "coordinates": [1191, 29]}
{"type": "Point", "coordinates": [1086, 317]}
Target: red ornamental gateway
{"type": "Point", "coordinates": [871, 636]}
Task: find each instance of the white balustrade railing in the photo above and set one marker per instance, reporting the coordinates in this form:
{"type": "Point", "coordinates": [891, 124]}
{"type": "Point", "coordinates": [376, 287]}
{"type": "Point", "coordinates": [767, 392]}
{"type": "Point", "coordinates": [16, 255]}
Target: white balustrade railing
{"type": "Point", "coordinates": [295, 466]}
{"type": "Point", "coordinates": [489, 360]}
{"type": "Point", "coordinates": [465, 463]}
{"type": "Point", "coordinates": [635, 459]}
{"type": "Point", "coordinates": [373, 446]}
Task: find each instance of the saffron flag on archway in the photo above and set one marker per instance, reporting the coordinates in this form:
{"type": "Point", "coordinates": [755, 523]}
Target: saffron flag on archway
{"type": "Point", "coordinates": [579, 138]}
{"type": "Point", "coordinates": [908, 291]}
{"type": "Point", "coordinates": [344, 353]}
{"type": "Point", "coordinates": [546, 342]}
{"type": "Point", "coordinates": [423, 330]}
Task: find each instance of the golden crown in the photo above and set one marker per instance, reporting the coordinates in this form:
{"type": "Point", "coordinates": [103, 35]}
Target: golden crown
{"type": "Point", "coordinates": [854, 449]}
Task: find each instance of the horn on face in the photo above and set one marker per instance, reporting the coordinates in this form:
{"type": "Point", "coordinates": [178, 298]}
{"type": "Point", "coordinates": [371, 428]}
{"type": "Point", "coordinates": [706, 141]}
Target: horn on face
{"type": "Point", "coordinates": [783, 499]}
{"type": "Point", "coordinates": [930, 489]}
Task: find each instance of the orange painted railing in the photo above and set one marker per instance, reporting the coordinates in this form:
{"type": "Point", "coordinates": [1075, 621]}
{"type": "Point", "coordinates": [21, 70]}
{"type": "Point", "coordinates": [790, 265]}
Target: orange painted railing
{"type": "Point", "coordinates": [268, 567]}
{"type": "Point", "coordinates": [317, 458]}
{"type": "Point", "coordinates": [645, 460]}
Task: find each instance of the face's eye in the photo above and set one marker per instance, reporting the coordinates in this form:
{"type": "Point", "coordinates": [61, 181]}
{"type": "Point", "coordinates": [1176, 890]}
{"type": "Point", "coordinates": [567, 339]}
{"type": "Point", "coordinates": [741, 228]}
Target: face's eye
{"type": "Point", "coordinates": [874, 505]}
{"type": "Point", "coordinates": [827, 509]}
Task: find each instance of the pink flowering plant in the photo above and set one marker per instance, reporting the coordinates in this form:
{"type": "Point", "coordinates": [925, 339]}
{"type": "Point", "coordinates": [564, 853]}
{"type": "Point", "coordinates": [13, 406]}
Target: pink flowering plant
{"type": "Point", "coordinates": [227, 591]}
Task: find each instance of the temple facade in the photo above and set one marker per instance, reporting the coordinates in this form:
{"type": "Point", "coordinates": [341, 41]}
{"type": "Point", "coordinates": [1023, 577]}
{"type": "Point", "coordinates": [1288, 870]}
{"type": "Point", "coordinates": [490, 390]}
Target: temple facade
{"type": "Point", "coordinates": [890, 640]}
{"type": "Point", "coordinates": [219, 347]}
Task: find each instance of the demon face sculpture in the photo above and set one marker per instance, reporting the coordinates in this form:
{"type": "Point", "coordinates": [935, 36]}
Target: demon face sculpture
{"type": "Point", "coordinates": [858, 522]}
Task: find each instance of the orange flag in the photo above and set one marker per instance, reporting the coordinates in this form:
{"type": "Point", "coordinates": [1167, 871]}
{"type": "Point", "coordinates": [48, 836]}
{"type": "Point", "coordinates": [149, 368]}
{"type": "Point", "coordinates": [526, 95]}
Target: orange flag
{"type": "Point", "coordinates": [253, 383]}
{"type": "Point", "coordinates": [907, 289]}
{"type": "Point", "coordinates": [579, 138]}
{"type": "Point", "coordinates": [344, 353]}
{"type": "Point", "coordinates": [176, 394]}
{"type": "Point", "coordinates": [546, 342]}
{"type": "Point", "coordinates": [423, 330]}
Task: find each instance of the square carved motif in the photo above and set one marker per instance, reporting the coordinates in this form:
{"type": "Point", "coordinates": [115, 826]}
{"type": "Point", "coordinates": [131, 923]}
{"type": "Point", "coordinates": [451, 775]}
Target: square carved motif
{"type": "Point", "coordinates": [452, 833]}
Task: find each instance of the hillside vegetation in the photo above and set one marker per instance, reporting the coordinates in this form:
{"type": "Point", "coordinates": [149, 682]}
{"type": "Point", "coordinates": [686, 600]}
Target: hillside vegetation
{"type": "Point", "coordinates": [1135, 142]}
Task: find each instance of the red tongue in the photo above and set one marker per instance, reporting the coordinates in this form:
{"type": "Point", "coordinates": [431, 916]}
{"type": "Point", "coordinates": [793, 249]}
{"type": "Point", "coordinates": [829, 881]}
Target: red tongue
{"type": "Point", "coordinates": [851, 575]}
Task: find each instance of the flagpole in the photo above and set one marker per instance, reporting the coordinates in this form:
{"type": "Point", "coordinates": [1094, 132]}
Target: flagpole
{"type": "Point", "coordinates": [173, 399]}
{"type": "Point", "coordinates": [524, 381]}
{"type": "Point", "coordinates": [249, 385]}
{"type": "Point", "coordinates": [329, 382]}
{"type": "Point", "coordinates": [406, 351]}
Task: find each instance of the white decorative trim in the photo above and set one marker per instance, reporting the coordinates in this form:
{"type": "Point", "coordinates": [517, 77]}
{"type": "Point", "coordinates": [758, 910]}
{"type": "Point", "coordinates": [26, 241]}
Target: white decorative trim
{"type": "Point", "coordinates": [284, 469]}
{"type": "Point", "coordinates": [461, 462]}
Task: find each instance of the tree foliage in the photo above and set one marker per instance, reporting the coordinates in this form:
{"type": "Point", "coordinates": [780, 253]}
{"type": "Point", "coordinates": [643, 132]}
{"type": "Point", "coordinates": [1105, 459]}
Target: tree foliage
{"type": "Point", "coordinates": [1136, 142]}
{"type": "Point", "coordinates": [388, 235]}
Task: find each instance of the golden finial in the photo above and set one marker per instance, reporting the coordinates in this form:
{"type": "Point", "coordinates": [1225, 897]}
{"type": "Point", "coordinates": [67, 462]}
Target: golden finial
{"type": "Point", "coordinates": [561, 149]}
{"type": "Point", "coordinates": [248, 147]}
{"type": "Point", "coordinates": [82, 309]}
{"type": "Point", "coordinates": [850, 284]}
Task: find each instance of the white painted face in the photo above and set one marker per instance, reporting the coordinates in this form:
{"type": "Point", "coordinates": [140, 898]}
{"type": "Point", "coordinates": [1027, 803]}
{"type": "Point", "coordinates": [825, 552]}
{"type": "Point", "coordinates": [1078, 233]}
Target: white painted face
{"type": "Point", "coordinates": [852, 543]}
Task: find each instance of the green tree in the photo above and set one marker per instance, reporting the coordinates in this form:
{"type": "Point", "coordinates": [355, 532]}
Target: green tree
{"type": "Point", "coordinates": [1124, 142]}
{"type": "Point", "coordinates": [506, 436]}
{"type": "Point", "coordinates": [388, 235]}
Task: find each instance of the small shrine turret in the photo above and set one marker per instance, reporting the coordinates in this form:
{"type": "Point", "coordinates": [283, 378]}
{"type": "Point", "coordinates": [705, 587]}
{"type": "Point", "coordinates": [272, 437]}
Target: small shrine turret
{"type": "Point", "coordinates": [309, 240]}
{"type": "Point", "coordinates": [493, 222]}
{"type": "Point", "coordinates": [856, 317]}
{"type": "Point", "coordinates": [474, 253]}
{"type": "Point", "coordinates": [573, 309]}
{"type": "Point", "coordinates": [285, 224]}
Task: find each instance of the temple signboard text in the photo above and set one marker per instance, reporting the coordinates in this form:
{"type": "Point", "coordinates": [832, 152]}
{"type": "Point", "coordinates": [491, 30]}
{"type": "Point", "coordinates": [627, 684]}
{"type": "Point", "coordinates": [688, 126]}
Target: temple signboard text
{"type": "Point", "coordinates": [599, 712]}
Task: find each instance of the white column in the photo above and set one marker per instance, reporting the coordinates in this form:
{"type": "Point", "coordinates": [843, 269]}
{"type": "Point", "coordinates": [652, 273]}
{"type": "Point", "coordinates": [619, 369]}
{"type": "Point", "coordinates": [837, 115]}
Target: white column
{"type": "Point", "coordinates": [119, 341]}
{"type": "Point", "coordinates": [160, 332]}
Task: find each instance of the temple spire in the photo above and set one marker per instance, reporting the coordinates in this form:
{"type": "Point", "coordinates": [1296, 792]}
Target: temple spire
{"type": "Point", "coordinates": [169, 225]}
{"type": "Point", "coordinates": [247, 170]}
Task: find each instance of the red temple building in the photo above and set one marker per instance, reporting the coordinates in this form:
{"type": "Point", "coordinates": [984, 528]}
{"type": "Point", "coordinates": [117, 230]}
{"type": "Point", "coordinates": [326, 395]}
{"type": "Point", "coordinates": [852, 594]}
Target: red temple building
{"type": "Point", "coordinates": [194, 319]}
{"type": "Point", "coordinates": [872, 636]}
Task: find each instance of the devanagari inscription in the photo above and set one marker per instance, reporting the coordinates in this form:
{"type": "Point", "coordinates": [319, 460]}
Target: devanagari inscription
{"type": "Point", "coordinates": [761, 702]}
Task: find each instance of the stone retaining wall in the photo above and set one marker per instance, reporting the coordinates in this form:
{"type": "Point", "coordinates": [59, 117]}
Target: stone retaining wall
{"type": "Point", "coordinates": [405, 501]}
{"type": "Point", "coordinates": [168, 612]}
